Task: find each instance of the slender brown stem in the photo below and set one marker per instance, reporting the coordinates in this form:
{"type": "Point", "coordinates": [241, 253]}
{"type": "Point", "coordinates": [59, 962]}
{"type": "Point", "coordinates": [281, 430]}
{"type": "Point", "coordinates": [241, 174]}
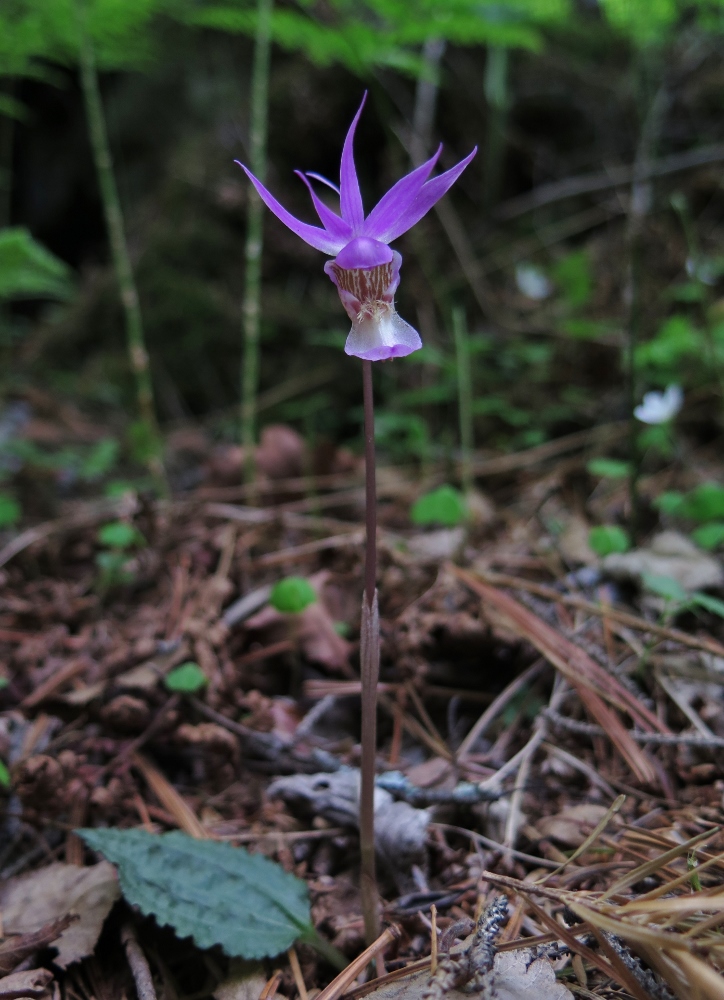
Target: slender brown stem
{"type": "Point", "coordinates": [370, 485]}
{"type": "Point", "coordinates": [370, 668]}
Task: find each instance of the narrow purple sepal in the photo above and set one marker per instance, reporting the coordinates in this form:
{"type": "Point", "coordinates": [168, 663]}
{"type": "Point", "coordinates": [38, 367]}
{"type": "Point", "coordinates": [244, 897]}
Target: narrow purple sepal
{"type": "Point", "coordinates": [322, 180]}
{"type": "Point", "coordinates": [430, 193]}
{"type": "Point", "coordinates": [350, 196]}
{"type": "Point", "coordinates": [330, 220]}
{"type": "Point", "coordinates": [318, 238]}
{"type": "Point", "coordinates": [398, 199]}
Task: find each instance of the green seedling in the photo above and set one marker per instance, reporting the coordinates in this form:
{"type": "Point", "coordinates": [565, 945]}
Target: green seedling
{"type": "Point", "coordinates": [679, 600]}
{"type": "Point", "coordinates": [709, 536]}
{"type": "Point", "coordinates": [292, 595]}
{"type": "Point", "coordinates": [189, 678]}
{"type": "Point", "coordinates": [609, 468]}
{"type": "Point", "coordinates": [5, 780]}
{"type": "Point", "coordinates": [444, 506]}
{"type": "Point", "coordinates": [119, 539]}
{"type": "Point", "coordinates": [608, 538]}
{"type": "Point", "coordinates": [575, 279]}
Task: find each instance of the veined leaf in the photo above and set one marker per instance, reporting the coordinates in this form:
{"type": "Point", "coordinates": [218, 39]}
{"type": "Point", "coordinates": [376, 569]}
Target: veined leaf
{"type": "Point", "coordinates": [212, 892]}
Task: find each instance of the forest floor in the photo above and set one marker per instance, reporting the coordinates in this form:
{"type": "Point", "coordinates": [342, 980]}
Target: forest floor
{"type": "Point", "coordinates": [554, 728]}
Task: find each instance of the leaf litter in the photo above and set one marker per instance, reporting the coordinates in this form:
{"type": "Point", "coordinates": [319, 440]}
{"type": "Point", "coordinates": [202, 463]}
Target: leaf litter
{"type": "Point", "coordinates": [516, 702]}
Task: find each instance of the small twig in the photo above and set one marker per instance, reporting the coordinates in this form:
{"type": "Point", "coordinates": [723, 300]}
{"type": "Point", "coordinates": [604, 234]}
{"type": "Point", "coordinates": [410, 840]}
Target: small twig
{"type": "Point", "coordinates": [433, 939]}
{"type": "Point", "coordinates": [660, 739]}
{"type": "Point", "coordinates": [297, 973]}
{"type": "Point", "coordinates": [572, 187]}
{"type": "Point", "coordinates": [494, 709]}
{"type": "Point", "coordinates": [493, 845]}
{"type": "Point", "coordinates": [139, 966]}
{"type": "Point", "coordinates": [270, 987]}
{"type": "Point", "coordinates": [513, 822]}
{"type": "Point", "coordinates": [349, 540]}
{"type": "Point", "coordinates": [338, 985]}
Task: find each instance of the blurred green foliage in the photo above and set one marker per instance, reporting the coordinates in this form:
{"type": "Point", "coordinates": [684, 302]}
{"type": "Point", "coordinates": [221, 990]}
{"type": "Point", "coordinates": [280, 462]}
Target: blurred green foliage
{"type": "Point", "coordinates": [188, 678]}
{"type": "Point", "coordinates": [29, 271]}
{"type": "Point", "coordinates": [444, 506]}
{"type": "Point", "coordinates": [606, 539]}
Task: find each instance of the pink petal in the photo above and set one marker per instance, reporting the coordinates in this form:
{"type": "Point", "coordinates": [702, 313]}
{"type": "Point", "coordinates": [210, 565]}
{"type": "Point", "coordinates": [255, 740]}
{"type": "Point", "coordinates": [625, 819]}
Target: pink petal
{"type": "Point", "coordinates": [350, 195]}
{"type": "Point", "coordinates": [330, 220]}
{"type": "Point", "coordinates": [431, 192]}
{"type": "Point", "coordinates": [398, 199]}
{"type": "Point", "coordinates": [318, 238]}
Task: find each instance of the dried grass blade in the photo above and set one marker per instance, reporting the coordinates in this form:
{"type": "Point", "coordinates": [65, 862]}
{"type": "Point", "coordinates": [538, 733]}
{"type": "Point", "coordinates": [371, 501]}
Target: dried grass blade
{"type": "Point", "coordinates": [590, 681]}
{"type": "Point", "coordinates": [569, 658]}
{"type": "Point", "coordinates": [590, 839]}
{"type": "Point", "coordinates": [643, 871]}
{"type": "Point", "coordinates": [668, 887]}
{"type": "Point", "coordinates": [170, 799]}
{"type": "Point", "coordinates": [630, 931]}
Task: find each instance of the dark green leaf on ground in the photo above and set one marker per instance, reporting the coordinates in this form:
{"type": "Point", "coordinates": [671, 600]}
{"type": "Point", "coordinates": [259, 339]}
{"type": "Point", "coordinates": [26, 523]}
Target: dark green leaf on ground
{"type": "Point", "coordinates": [212, 892]}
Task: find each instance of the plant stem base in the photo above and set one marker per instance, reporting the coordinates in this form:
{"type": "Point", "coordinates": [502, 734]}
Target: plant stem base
{"type": "Point", "coordinates": [370, 665]}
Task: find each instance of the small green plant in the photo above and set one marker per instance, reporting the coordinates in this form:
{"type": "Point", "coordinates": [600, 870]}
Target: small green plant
{"type": "Point", "coordinates": [709, 536]}
{"type": "Point", "coordinates": [574, 277]}
{"type": "Point", "coordinates": [705, 505]}
{"type": "Point", "coordinates": [29, 271]}
{"type": "Point", "coordinates": [679, 600]}
{"type": "Point", "coordinates": [608, 538]}
{"type": "Point", "coordinates": [609, 468]}
{"type": "Point", "coordinates": [119, 538]}
{"type": "Point", "coordinates": [10, 511]}
{"type": "Point", "coordinates": [445, 506]}
{"type": "Point", "coordinates": [5, 780]}
{"type": "Point", "coordinates": [292, 595]}
{"type": "Point", "coordinates": [188, 678]}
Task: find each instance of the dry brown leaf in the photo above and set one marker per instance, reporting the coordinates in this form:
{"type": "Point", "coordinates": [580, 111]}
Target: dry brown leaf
{"type": "Point", "coordinates": [15, 949]}
{"type": "Point", "coordinates": [32, 983]}
{"type": "Point", "coordinates": [31, 901]}
{"type": "Point", "coordinates": [571, 826]}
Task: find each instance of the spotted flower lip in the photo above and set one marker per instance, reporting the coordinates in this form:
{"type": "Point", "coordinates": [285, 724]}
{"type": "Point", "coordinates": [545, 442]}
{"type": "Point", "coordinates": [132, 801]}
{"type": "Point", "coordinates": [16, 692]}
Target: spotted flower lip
{"type": "Point", "coordinates": [365, 270]}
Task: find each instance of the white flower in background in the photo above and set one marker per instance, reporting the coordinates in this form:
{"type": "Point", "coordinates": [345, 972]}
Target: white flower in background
{"type": "Point", "coordinates": [660, 407]}
{"type": "Point", "coordinates": [532, 282]}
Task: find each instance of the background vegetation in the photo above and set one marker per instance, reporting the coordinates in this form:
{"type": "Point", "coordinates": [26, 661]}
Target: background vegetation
{"type": "Point", "coordinates": [572, 299]}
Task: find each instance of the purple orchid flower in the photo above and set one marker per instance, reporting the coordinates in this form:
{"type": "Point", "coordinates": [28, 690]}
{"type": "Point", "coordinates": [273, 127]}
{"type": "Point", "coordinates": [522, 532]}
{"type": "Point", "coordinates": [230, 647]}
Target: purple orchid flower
{"type": "Point", "coordinates": [365, 270]}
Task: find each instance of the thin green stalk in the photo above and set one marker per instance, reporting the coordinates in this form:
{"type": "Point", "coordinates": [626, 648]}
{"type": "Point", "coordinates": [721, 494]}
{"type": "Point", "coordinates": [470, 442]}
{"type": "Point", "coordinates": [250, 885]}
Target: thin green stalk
{"type": "Point", "coordinates": [255, 233]}
{"type": "Point", "coordinates": [639, 207]}
{"type": "Point", "coordinates": [465, 397]}
{"type": "Point", "coordinates": [495, 86]}
{"type": "Point", "coordinates": [7, 136]}
{"type": "Point", "coordinates": [137, 352]}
